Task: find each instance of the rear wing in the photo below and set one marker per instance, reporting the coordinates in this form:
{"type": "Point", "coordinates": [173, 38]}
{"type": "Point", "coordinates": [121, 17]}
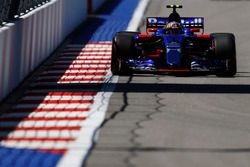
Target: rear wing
{"type": "Point", "coordinates": [154, 23]}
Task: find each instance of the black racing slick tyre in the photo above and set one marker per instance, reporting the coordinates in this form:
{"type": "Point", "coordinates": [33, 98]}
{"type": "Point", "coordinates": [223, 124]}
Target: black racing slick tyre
{"type": "Point", "coordinates": [123, 46]}
{"type": "Point", "coordinates": [225, 50]}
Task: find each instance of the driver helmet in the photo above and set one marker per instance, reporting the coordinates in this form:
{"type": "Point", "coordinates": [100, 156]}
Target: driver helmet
{"type": "Point", "coordinates": [173, 28]}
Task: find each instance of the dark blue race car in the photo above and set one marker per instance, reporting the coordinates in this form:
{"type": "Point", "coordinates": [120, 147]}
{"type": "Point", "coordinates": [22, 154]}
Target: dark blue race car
{"type": "Point", "coordinates": [174, 44]}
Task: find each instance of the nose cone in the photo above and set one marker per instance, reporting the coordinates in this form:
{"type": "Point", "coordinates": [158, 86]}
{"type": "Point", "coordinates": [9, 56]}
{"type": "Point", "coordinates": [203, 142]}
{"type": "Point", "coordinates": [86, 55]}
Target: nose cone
{"type": "Point", "coordinates": [173, 50]}
{"type": "Point", "coordinates": [174, 57]}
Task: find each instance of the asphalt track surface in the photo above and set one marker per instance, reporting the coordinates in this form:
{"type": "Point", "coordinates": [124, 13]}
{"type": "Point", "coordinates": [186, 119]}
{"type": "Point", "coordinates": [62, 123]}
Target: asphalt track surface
{"type": "Point", "coordinates": [199, 121]}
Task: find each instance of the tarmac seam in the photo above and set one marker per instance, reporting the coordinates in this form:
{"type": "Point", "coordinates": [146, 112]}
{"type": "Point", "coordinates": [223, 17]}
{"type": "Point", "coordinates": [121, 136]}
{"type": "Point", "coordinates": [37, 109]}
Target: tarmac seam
{"type": "Point", "coordinates": [139, 126]}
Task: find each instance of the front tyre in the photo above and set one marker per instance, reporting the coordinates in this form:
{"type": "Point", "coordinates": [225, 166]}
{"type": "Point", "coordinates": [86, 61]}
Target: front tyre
{"type": "Point", "coordinates": [115, 60]}
{"type": "Point", "coordinates": [225, 50]}
{"type": "Point", "coordinates": [123, 46]}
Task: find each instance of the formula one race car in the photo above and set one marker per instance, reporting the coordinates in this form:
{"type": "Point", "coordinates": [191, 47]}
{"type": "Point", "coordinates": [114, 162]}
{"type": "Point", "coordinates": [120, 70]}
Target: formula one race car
{"type": "Point", "coordinates": [174, 44]}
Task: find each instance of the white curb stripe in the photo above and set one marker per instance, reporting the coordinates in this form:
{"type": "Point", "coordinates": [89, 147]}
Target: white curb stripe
{"type": "Point", "coordinates": [58, 98]}
{"type": "Point", "coordinates": [42, 134]}
{"type": "Point", "coordinates": [63, 82]}
{"type": "Point", "coordinates": [83, 61]}
{"type": "Point", "coordinates": [46, 115]}
{"type": "Point", "coordinates": [36, 144]}
{"type": "Point", "coordinates": [69, 77]}
{"type": "Point", "coordinates": [81, 66]}
{"type": "Point", "coordinates": [43, 124]}
{"type": "Point", "coordinates": [87, 53]}
{"type": "Point", "coordinates": [86, 49]}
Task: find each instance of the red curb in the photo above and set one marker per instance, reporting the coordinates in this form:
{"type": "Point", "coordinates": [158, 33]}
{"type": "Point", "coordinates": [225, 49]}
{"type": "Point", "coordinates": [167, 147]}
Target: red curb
{"type": "Point", "coordinates": [55, 101]}
{"type": "Point", "coordinates": [12, 119]}
{"type": "Point", "coordinates": [50, 109]}
{"type": "Point", "coordinates": [14, 128]}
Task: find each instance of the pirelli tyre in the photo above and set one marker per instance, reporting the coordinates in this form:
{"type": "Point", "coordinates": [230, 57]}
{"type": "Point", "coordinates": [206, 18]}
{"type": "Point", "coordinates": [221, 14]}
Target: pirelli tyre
{"type": "Point", "coordinates": [123, 46]}
{"type": "Point", "coordinates": [225, 50]}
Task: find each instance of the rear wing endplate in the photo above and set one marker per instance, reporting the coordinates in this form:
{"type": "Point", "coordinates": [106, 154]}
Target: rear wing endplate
{"type": "Point", "coordinates": [154, 23]}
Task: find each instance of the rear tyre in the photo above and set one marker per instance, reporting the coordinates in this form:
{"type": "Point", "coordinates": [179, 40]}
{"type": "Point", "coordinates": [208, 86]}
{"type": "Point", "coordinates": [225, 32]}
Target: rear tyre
{"type": "Point", "coordinates": [123, 47]}
{"type": "Point", "coordinates": [225, 50]}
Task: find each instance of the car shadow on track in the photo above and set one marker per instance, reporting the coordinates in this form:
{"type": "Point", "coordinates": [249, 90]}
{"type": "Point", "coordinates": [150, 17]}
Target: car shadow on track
{"type": "Point", "coordinates": [163, 88]}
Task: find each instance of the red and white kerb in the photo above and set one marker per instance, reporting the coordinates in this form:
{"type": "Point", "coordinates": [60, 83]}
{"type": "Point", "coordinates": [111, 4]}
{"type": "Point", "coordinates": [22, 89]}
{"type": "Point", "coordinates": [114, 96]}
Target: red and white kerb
{"type": "Point", "coordinates": [50, 119]}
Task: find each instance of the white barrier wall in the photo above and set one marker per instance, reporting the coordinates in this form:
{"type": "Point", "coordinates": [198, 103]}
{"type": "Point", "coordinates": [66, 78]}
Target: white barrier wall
{"type": "Point", "coordinates": [28, 41]}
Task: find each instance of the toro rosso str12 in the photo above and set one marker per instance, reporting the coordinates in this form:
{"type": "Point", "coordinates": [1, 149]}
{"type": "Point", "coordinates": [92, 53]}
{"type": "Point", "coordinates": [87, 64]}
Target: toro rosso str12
{"type": "Point", "coordinates": [174, 44]}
